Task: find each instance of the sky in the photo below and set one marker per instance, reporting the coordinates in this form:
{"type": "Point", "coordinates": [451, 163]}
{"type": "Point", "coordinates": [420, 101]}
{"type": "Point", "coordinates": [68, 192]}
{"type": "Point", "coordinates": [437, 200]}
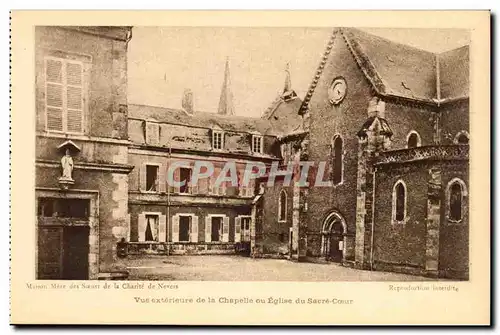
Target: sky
{"type": "Point", "coordinates": [163, 61]}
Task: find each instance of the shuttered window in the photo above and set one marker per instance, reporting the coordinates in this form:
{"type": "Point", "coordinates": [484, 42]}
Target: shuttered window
{"type": "Point", "coordinates": [64, 95]}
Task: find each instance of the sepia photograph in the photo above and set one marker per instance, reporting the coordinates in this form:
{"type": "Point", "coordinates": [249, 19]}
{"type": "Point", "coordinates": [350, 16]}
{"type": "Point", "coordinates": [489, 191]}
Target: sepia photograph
{"type": "Point", "coordinates": [244, 168]}
{"type": "Point", "coordinates": [203, 153]}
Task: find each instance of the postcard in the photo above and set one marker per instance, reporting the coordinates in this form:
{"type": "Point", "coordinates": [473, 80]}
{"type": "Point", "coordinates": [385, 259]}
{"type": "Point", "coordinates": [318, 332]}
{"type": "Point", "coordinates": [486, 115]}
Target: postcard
{"type": "Point", "coordinates": [250, 168]}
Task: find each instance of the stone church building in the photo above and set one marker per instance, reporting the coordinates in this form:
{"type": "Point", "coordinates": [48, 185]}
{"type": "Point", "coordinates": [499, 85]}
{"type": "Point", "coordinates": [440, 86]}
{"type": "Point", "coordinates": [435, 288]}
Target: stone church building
{"type": "Point", "coordinates": [386, 123]}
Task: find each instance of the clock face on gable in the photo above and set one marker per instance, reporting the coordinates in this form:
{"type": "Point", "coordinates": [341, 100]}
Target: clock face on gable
{"type": "Point", "coordinates": [337, 91]}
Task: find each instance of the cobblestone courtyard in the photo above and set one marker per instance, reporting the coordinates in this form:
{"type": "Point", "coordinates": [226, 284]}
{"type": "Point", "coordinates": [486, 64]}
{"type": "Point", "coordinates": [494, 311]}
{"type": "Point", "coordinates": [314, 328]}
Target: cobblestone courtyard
{"type": "Point", "coordinates": [236, 268]}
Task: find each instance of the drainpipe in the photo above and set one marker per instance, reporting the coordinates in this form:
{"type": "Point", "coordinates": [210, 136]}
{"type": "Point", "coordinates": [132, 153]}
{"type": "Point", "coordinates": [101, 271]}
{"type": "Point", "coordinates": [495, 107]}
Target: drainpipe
{"type": "Point", "coordinates": [168, 197]}
{"type": "Point", "coordinates": [373, 220]}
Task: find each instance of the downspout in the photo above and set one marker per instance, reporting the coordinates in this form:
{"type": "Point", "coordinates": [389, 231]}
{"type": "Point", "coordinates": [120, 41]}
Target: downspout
{"type": "Point", "coordinates": [373, 219]}
{"type": "Point", "coordinates": [168, 197]}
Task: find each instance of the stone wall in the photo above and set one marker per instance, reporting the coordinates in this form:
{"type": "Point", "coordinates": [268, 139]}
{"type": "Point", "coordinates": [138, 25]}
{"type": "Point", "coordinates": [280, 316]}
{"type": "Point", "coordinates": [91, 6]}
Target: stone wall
{"type": "Point", "coordinates": [105, 76]}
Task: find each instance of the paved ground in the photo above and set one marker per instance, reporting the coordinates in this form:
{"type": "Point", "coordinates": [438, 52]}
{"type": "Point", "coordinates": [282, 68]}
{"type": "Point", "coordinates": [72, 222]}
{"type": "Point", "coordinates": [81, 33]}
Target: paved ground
{"type": "Point", "coordinates": [231, 268]}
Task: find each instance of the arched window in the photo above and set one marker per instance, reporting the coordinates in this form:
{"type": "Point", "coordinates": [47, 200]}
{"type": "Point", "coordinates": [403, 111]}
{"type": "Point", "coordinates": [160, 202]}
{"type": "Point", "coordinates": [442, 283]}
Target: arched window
{"type": "Point", "coordinates": [461, 138]}
{"type": "Point", "coordinates": [282, 206]}
{"type": "Point", "coordinates": [399, 202]}
{"type": "Point", "coordinates": [413, 140]}
{"type": "Point", "coordinates": [456, 192]}
{"type": "Point", "coordinates": [337, 160]}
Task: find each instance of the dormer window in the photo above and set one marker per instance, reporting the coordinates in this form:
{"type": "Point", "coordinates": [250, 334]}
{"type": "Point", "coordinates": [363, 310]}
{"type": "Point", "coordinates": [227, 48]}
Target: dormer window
{"type": "Point", "coordinates": [218, 140]}
{"type": "Point", "coordinates": [257, 144]}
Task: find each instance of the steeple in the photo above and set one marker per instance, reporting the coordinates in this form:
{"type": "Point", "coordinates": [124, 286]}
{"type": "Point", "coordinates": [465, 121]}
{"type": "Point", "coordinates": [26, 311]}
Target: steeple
{"type": "Point", "coordinates": [226, 106]}
{"type": "Point", "coordinates": [288, 92]}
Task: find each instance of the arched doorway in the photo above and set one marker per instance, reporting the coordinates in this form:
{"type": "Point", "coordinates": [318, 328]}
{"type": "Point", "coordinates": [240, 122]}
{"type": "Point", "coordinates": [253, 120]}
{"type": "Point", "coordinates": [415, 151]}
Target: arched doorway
{"type": "Point", "coordinates": [333, 237]}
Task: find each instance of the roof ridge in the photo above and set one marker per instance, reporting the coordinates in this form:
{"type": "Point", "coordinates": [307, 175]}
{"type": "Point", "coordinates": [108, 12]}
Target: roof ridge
{"type": "Point", "coordinates": [319, 70]}
{"type": "Point", "coordinates": [355, 29]}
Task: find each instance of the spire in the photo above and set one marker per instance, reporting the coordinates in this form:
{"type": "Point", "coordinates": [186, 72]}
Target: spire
{"type": "Point", "coordinates": [288, 92]}
{"type": "Point", "coordinates": [226, 106]}
{"type": "Point", "coordinates": [288, 81]}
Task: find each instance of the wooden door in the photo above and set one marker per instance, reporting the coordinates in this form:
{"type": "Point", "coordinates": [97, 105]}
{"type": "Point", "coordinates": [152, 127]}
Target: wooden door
{"type": "Point", "coordinates": [76, 253]}
{"type": "Point", "coordinates": [335, 252]}
{"type": "Point", "coordinates": [50, 252]}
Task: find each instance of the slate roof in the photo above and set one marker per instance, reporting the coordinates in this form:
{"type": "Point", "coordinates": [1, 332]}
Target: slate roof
{"type": "Point", "coordinates": [201, 119]}
{"type": "Point", "coordinates": [454, 73]}
{"type": "Point", "coordinates": [283, 115]}
{"type": "Point", "coordinates": [399, 70]}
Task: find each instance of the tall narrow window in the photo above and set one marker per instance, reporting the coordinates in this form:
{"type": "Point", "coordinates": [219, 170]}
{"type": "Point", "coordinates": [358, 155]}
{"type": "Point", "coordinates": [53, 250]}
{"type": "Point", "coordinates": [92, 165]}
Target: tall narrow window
{"type": "Point", "coordinates": [282, 206]}
{"type": "Point", "coordinates": [218, 140]}
{"type": "Point", "coordinates": [413, 140]}
{"type": "Point", "coordinates": [184, 228]}
{"type": "Point", "coordinates": [456, 192]}
{"type": "Point", "coordinates": [152, 178]}
{"type": "Point", "coordinates": [152, 228]}
{"type": "Point", "coordinates": [185, 177]}
{"type": "Point", "coordinates": [399, 202]}
{"type": "Point", "coordinates": [216, 229]}
{"type": "Point", "coordinates": [337, 160]}
{"type": "Point", "coordinates": [257, 144]}
{"type": "Point", "coordinates": [64, 95]}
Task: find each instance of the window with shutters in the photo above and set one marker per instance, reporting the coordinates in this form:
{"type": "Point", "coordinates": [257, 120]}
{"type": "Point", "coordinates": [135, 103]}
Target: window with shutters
{"type": "Point", "coordinates": [152, 228]}
{"type": "Point", "coordinates": [184, 228]}
{"type": "Point", "coordinates": [64, 95]}
{"type": "Point", "coordinates": [152, 178]}
{"type": "Point", "coordinates": [216, 229]}
{"type": "Point", "coordinates": [399, 202]}
{"type": "Point", "coordinates": [218, 140]}
{"type": "Point", "coordinates": [257, 144]}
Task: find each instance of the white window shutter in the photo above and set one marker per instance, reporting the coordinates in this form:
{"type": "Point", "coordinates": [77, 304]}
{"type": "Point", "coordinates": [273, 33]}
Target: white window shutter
{"type": "Point", "coordinates": [208, 229]}
{"type": "Point", "coordinates": [162, 182]}
{"type": "Point", "coordinates": [142, 177]}
{"type": "Point", "coordinates": [237, 229]}
{"type": "Point", "coordinates": [194, 229]}
{"type": "Point", "coordinates": [175, 228]}
{"type": "Point", "coordinates": [162, 231]}
{"type": "Point", "coordinates": [225, 229]}
{"type": "Point", "coordinates": [177, 179]}
{"type": "Point", "coordinates": [74, 97]}
{"type": "Point", "coordinates": [142, 227]}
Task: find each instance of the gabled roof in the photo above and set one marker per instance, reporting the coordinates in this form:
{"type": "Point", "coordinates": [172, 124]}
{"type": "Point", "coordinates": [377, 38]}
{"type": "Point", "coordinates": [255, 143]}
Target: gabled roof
{"type": "Point", "coordinates": [200, 119]}
{"type": "Point", "coordinates": [283, 115]}
{"type": "Point", "coordinates": [398, 70]}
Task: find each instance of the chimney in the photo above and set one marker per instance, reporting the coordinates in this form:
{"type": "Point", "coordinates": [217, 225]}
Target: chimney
{"type": "Point", "coordinates": [187, 101]}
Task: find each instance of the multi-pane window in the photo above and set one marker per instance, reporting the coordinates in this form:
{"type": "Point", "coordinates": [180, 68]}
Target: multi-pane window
{"type": "Point", "coordinates": [152, 178]}
{"type": "Point", "coordinates": [63, 208]}
{"type": "Point", "coordinates": [64, 95]}
{"type": "Point", "coordinates": [257, 144]}
{"type": "Point", "coordinates": [218, 140]}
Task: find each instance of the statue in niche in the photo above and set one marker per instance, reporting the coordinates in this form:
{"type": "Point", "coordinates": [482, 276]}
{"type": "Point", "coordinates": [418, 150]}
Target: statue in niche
{"type": "Point", "coordinates": [67, 166]}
